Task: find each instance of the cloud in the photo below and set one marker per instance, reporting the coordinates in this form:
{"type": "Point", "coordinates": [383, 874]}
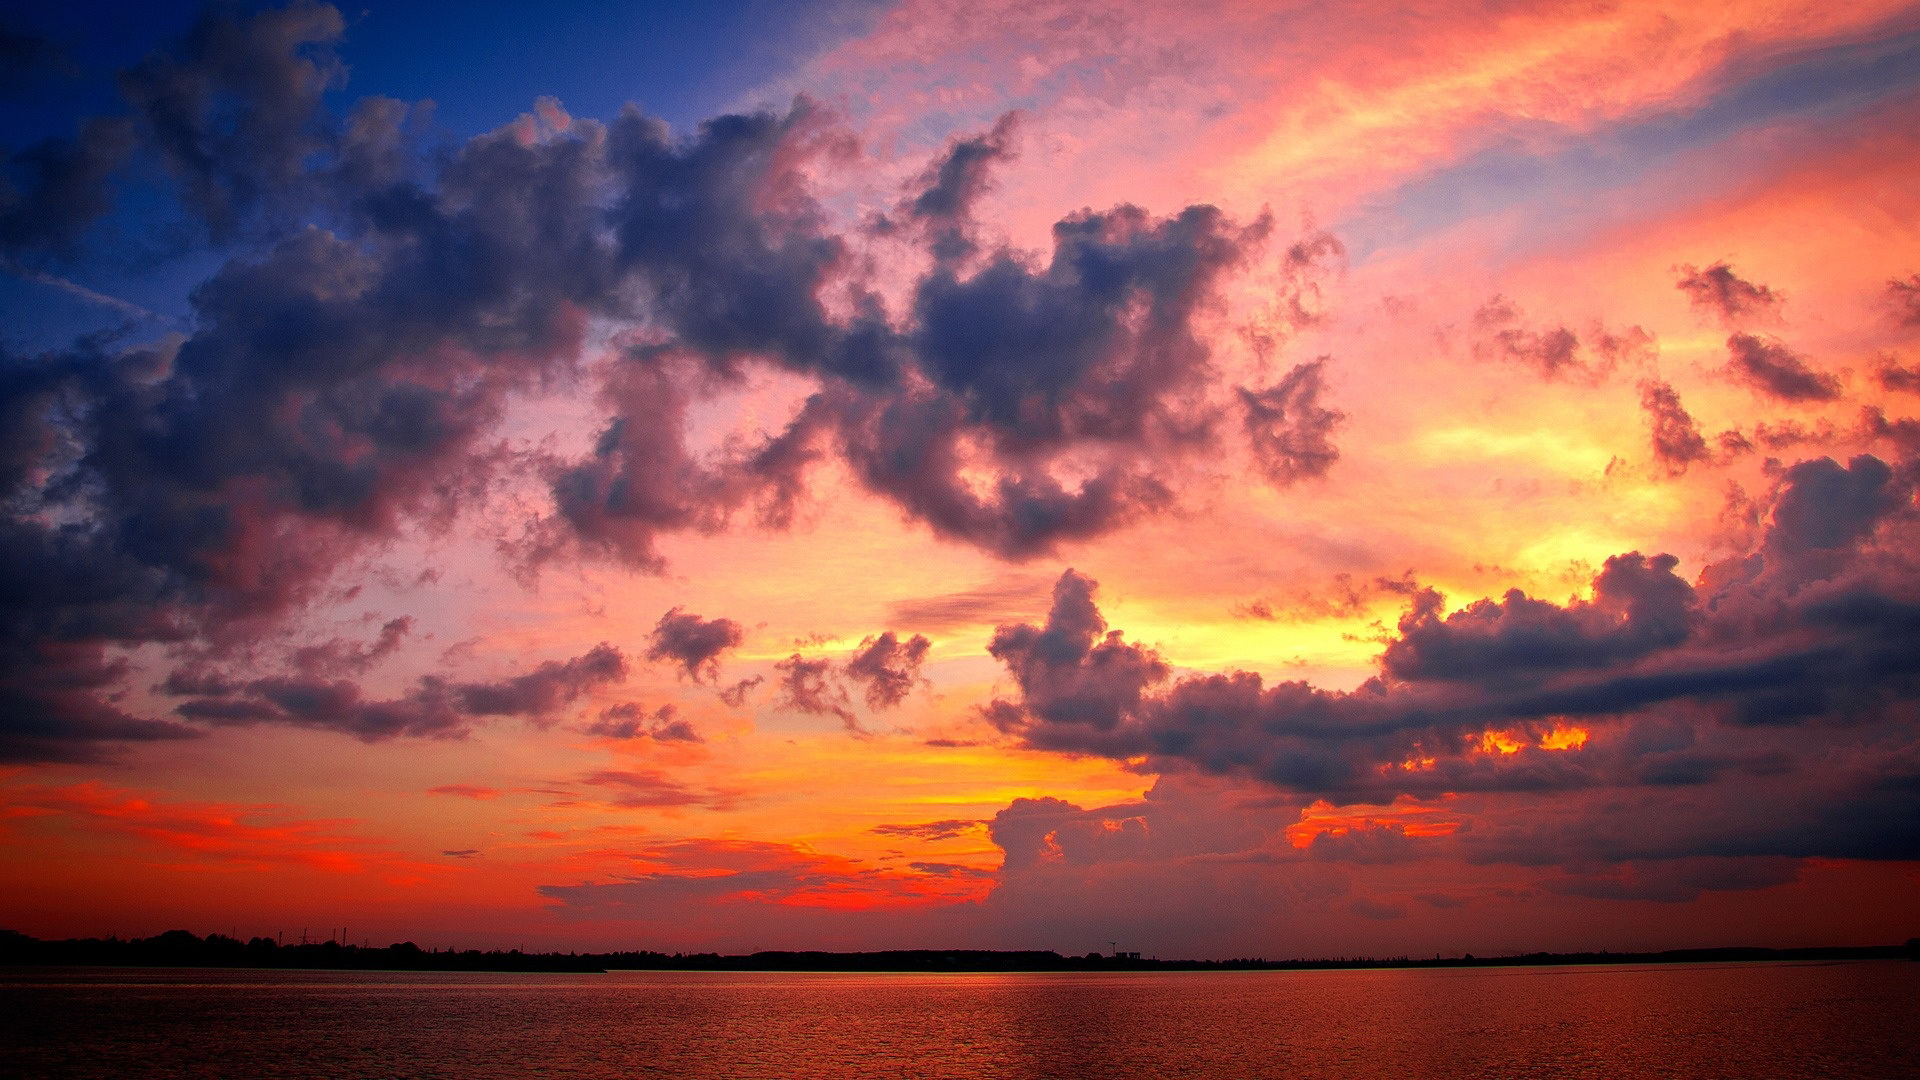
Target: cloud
{"type": "Point", "coordinates": [337, 656]}
{"type": "Point", "coordinates": [1769, 367]}
{"type": "Point", "coordinates": [1677, 442]}
{"type": "Point", "coordinates": [1804, 642]}
{"type": "Point", "coordinates": [998, 600]}
{"type": "Point", "coordinates": [257, 837]}
{"type": "Point", "coordinates": [1892, 376]}
{"type": "Point", "coordinates": [433, 708]}
{"type": "Point", "coordinates": [55, 188]}
{"type": "Point", "coordinates": [630, 721]}
{"type": "Point", "coordinates": [759, 875]}
{"type": "Point", "coordinates": [342, 384]}
{"type": "Point", "coordinates": [1903, 295]}
{"type": "Point", "coordinates": [808, 686]}
{"type": "Point", "coordinates": [1500, 335]}
{"type": "Point", "coordinates": [931, 830]}
{"type": "Point", "coordinates": [1639, 606]}
{"type": "Point", "coordinates": [1720, 292]}
{"type": "Point", "coordinates": [889, 667]}
{"type": "Point", "coordinates": [952, 185]}
{"type": "Point", "coordinates": [547, 688]}
{"type": "Point", "coordinates": [1289, 430]}
{"type": "Point", "coordinates": [465, 791]}
{"type": "Point", "coordinates": [637, 788]}
{"type": "Point", "coordinates": [236, 110]}
{"type": "Point", "coordinates": [1074, 675]}
{"type": "Point", "coordinates": [736, 695]}
{"type": "Point", "coordinates": [694, 643]}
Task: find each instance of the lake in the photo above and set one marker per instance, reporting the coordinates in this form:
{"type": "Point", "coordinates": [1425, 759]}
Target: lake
{"type": "Point", "coordinates": [1719, 1020]}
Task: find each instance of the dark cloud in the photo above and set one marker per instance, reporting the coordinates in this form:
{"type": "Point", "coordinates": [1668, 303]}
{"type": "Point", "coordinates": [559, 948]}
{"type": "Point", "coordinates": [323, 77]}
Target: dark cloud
{"type": "Point", "coordinates": [346, 373]}
{"type": "Point", "coordinates": [953, 184]}
{"type": "Point", "coordinates": [1289, 430]}
{"type": "Point", "coordinates": [338, 656]}
{"type": "Point", "coordinates": [694, 643]}
{"type": "Point", "coordinates": [1639, 606]}
{"type": "Point", "coordinates": [1075, 676]}
{"type": "Point", "coordinates": [1677, 442]}
{"type": "Point", "coordinates": [723, 872]}
{"type": "Point", "coordinates": [641, 788]}
{"type": "Point", "coordinates": [1892, 376]}
{"type": "Point", "coordinates": [51, 191]}
{"type": "Point", "coordinates": [1094, 355]}
{"type": "Point", "coordinates": [889, 667]}
{"type": "Point", "coordinates": [1341, 598]}
{"type": "Point", "coordinates": [931, 830]}
{"type": "Point", "coordinates": [434, 708]}
{"type": "Point", "coordinates": [235, 111]}
{"type": "Point", "coordinates": [999, 600]}
{"type": "Point", "coordinates": [1500, 334]}
{"type": "Point", "coordinates": [809, 686]}
{"type": "Point", "coordinates": [736, 695]}
{"type": "Point", "coordinates": [547, 688]}
{"type": "Point", "coordinates": [23, 56]}
{"type": "Point", "coordinates": [1903, 295]}
{"type": "Point", "coordinates": [1769, 367]}
{"type": "Point", "coordinates": [630, 721]}
{"type": "Point", "coordinates": [1678, 881]}
{"type": "Point", "coordinates": [1780, 663]}
{"type": "Point", "coordinates": [1720, 292]}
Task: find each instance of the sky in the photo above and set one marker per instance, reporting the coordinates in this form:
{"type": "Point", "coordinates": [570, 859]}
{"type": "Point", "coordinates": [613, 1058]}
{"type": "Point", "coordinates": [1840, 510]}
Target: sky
{"type": "Point", "coordinates": [1299, 480]}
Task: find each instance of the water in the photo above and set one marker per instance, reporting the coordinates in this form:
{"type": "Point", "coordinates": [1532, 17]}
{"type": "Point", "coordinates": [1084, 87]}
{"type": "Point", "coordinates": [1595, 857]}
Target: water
{"type": "Point", "coordinates": [1730, 1020]}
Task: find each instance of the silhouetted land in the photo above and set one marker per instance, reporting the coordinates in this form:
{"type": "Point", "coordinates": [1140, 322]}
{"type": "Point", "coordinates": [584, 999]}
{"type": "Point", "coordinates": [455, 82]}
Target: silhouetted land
{"type": "Point", "coordinates": [179, 948]}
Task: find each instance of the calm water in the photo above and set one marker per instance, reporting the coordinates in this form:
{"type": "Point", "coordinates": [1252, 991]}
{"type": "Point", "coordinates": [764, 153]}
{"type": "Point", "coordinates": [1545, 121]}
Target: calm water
{"type": "Point", "coordinates": [1744, 1020]}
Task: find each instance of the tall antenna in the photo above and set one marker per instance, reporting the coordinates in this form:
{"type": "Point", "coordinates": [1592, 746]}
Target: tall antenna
{"type": "Point", "coordinates": [1114, 946]}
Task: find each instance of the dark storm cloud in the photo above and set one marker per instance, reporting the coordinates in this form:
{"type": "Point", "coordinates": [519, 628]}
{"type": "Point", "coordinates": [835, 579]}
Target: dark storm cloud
{"type": "Point", "coordinates": [1677, 442]}
{"type": "Point", "coordinates": [1639, 606]}
{"type": "Point", "coordinates": [1720, 292]}
{"type": "Point", "coordinates": [345, 375]}
{"type": "Point", "coordinates": [1806, 646]}
{"type": "Point", "coordinates": [1290, 432]}
{"type": "Point", "coordinates": [1766, 365]}
{"type": "Point", "coordinates": [694, 643]}
{"type": "Point", "coordinates": [889, 667]}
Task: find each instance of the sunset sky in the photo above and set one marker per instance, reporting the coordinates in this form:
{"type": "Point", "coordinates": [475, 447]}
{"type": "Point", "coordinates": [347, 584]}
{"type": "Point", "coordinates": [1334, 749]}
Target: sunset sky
{"type": "Point", "coordinates": [1295, 479]}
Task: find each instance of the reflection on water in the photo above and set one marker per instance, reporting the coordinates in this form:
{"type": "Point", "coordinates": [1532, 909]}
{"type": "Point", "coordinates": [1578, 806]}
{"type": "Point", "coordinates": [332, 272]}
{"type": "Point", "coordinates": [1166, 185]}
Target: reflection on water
{"type": "Point", "coordinates": [1785, 1020]}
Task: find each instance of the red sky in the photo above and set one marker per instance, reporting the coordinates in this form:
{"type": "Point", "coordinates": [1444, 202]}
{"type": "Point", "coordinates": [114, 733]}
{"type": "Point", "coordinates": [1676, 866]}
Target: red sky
{"type": "Point", "coordinates": [1303, 480]}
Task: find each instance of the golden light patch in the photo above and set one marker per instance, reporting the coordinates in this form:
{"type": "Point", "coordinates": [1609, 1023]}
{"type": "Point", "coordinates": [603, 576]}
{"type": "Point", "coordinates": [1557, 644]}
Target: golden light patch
{"type": "Point", "coordinates": [1566, 737]}
{"type": "Point", "coordinates": [1500, 742]}
{"type": "Point", "coordinates": [1409, 816]}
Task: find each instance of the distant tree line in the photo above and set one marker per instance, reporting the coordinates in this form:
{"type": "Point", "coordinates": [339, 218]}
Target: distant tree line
{"type": "Point", "coordinates": [180, 948]}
